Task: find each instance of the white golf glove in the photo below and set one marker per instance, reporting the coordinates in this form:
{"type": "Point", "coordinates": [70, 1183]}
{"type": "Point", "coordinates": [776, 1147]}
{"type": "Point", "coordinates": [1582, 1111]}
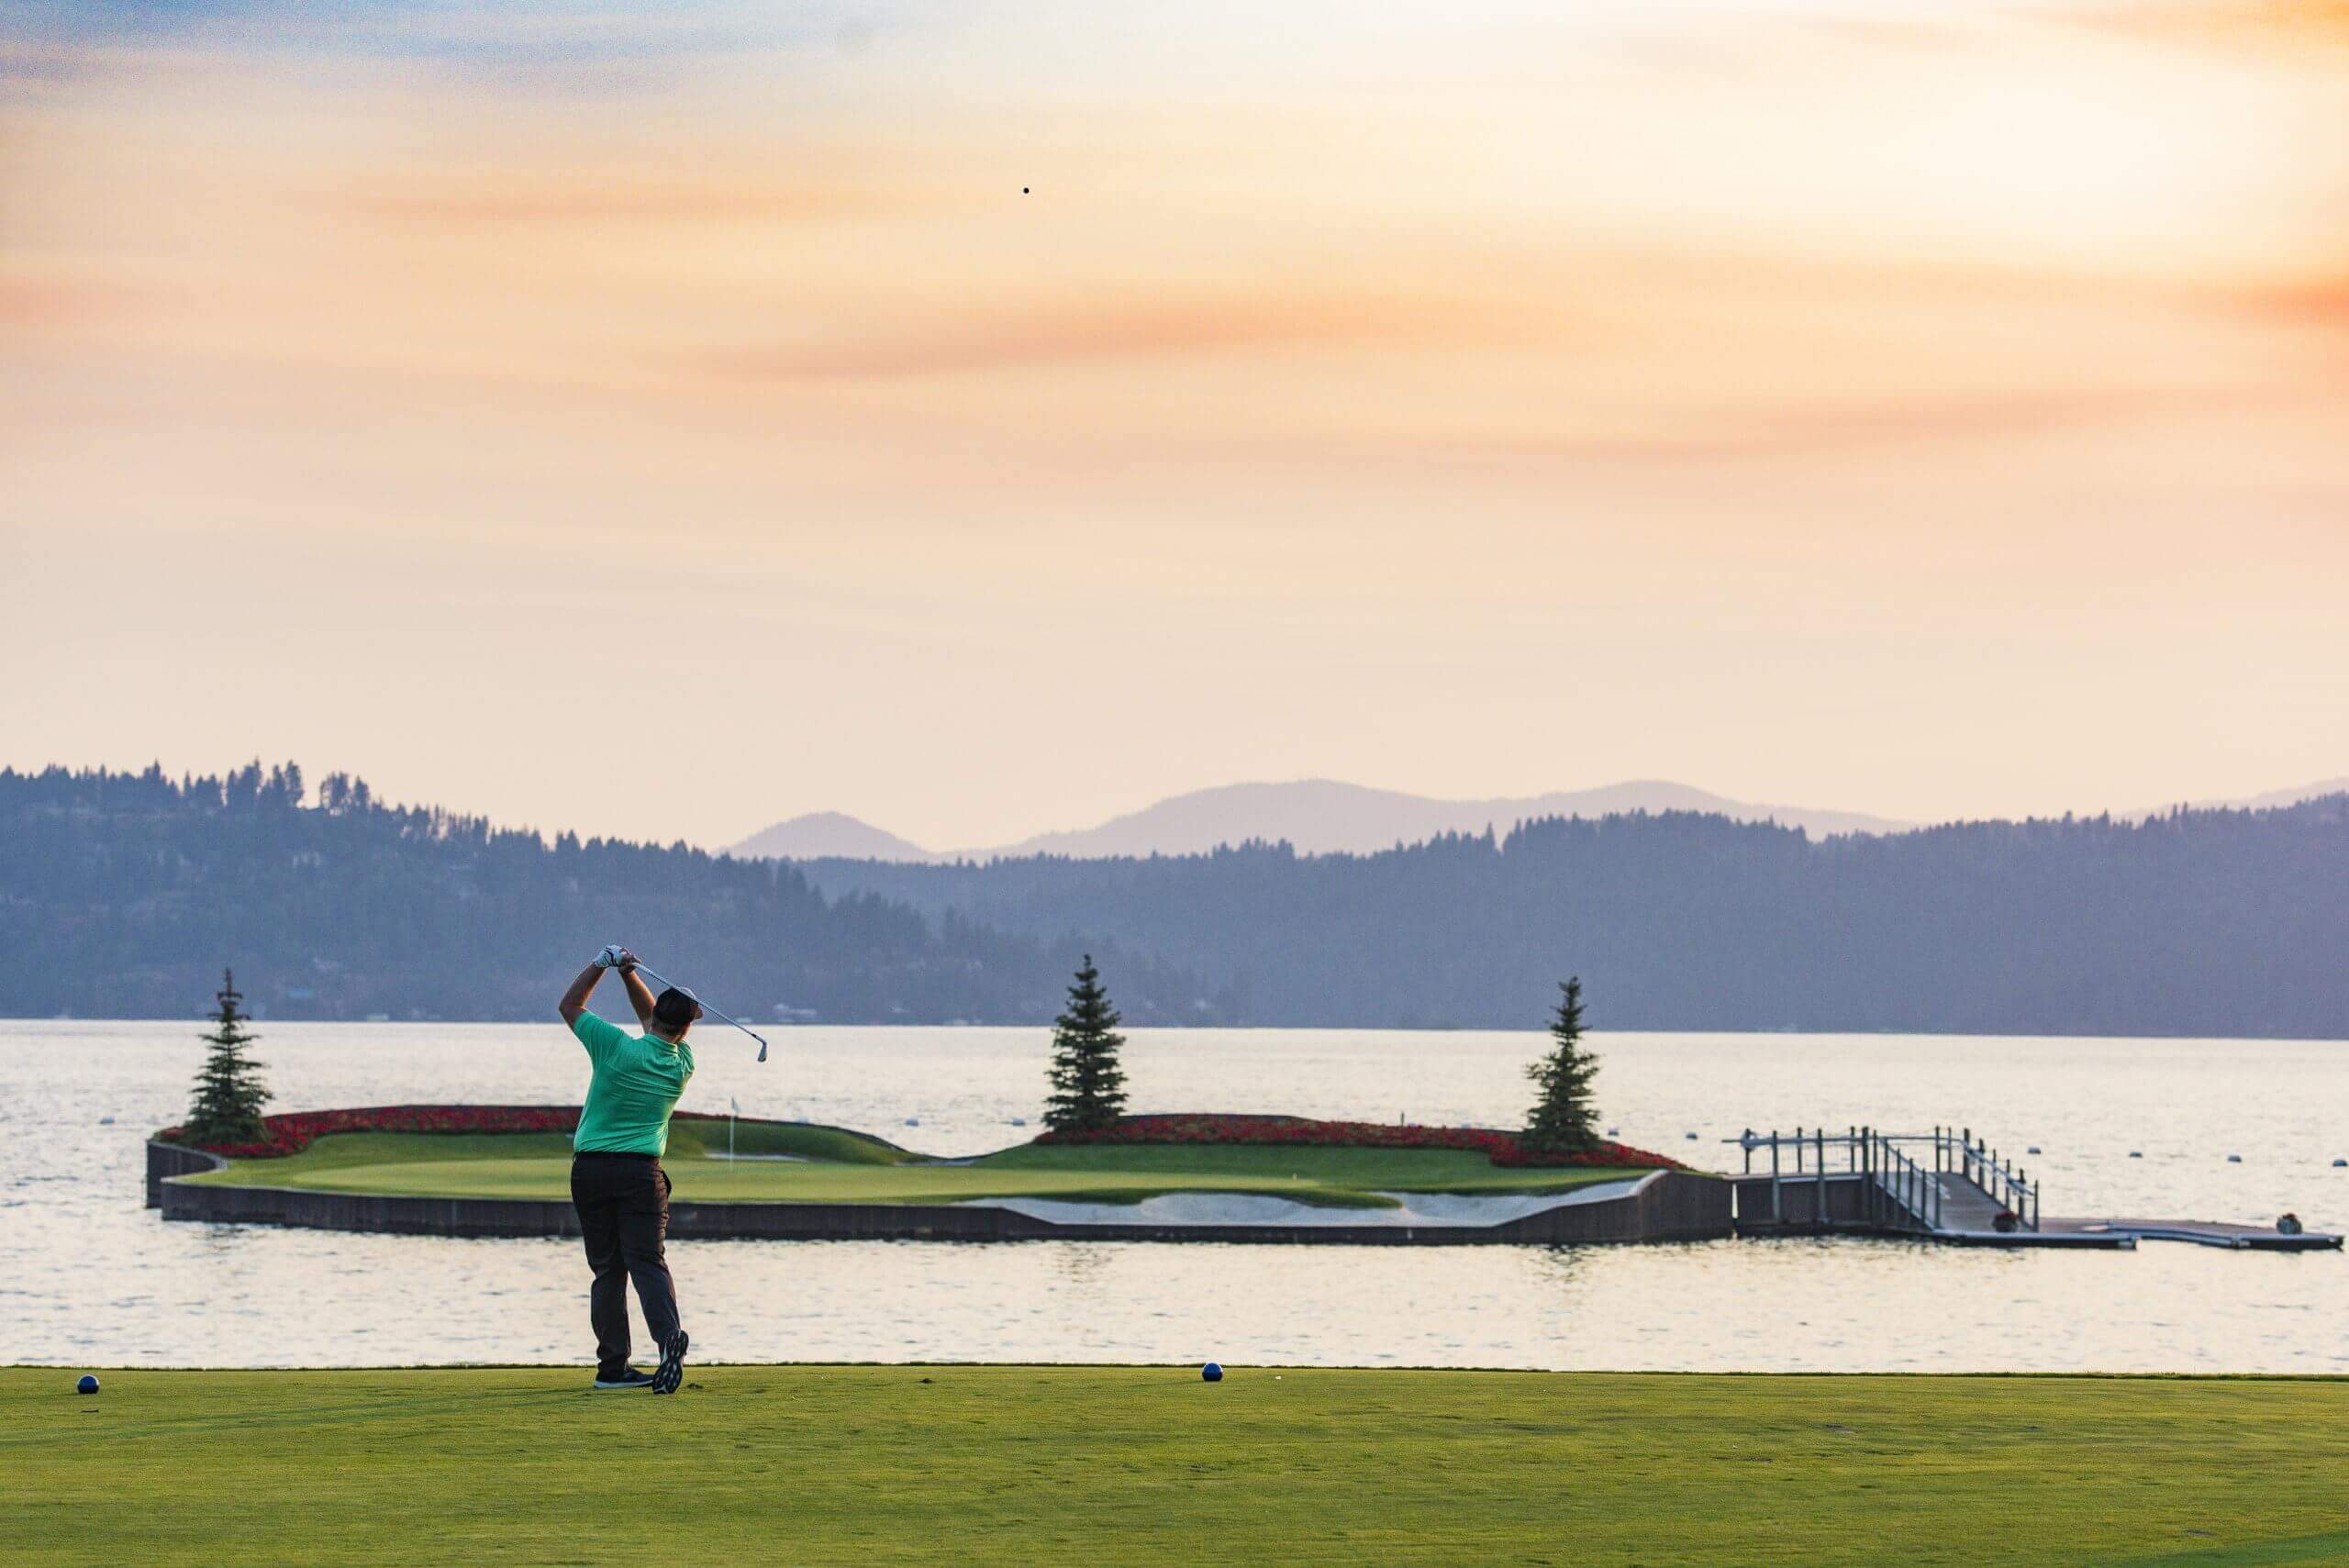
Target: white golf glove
{"type": "Point", "coordinates": [615, 957]}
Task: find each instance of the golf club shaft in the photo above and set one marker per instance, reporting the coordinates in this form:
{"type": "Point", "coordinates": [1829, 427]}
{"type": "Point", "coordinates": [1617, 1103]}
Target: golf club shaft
{"type": "Point", "coordinates": [659, 979]}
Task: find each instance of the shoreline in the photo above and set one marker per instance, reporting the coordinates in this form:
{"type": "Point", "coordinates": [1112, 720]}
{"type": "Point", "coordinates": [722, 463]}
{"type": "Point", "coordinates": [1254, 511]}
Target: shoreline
{"type": "Point", "coordinates": [1430, 1369]}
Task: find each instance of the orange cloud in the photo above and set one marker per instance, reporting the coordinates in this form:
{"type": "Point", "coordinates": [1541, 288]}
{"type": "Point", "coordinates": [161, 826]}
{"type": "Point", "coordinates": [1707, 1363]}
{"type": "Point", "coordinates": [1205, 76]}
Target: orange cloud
{"type": "Point", "coordinates": [40, 303]}
{"type": "Point", "coordinates": [47, 301]}
{"type": "Point", "coordinates": [2291, 25]}
{"type": "Point", "coordinates": [570, 196]}
{"type": "Point", "coordinates": [2321, 302]}
{"type": "Point", "coordinates": [1098, 329]}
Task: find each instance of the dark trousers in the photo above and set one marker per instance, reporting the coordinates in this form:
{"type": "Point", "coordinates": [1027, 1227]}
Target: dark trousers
{"type": "Point", "coordinates": [623, 1204]}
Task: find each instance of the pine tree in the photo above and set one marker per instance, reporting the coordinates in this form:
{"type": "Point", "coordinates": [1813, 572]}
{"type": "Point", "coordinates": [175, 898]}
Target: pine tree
{"type": "Point", "coordinates": [1088, 1087]}
{"type": "Point", "coordinates": [1564, 1120]}
{"type": "Point", "coordinates": [228, 1092]}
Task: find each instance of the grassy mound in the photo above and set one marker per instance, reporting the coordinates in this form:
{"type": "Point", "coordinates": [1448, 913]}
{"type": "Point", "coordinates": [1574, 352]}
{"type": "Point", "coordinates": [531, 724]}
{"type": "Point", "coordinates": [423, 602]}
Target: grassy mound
{"type": "Point", "coordinates": [1226, 1130]}
{"type": "Point", "coordinates": [1114, 1466]}
{"type": "Point", "coordinates": [288, 1133]}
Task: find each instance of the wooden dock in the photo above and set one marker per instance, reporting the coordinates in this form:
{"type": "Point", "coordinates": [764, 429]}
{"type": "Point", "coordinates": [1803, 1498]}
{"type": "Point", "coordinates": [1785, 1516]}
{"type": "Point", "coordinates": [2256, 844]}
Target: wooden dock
{"type": "Point", "coordinates": [1943, 1187]}
{"type": "Point", "coordinates": [2202, 1233]}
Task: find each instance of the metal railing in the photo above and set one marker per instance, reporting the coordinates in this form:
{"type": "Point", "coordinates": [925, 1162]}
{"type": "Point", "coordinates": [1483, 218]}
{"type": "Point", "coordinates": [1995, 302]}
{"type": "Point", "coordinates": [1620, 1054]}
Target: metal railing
{"type": "Point", "coordinates": [1902, 1180]}
{"type": "Point", "coordinates": [2007, 1184]}
{"type": "Point", "coordinates": [1893, 1172]}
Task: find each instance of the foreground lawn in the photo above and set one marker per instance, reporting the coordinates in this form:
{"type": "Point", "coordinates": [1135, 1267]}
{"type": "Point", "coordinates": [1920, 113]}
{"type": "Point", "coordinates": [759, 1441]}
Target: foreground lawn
{"type": "Point", "coordinates": [840, 1167]}
{"type": "Point", "coordinates": [829, 1464]}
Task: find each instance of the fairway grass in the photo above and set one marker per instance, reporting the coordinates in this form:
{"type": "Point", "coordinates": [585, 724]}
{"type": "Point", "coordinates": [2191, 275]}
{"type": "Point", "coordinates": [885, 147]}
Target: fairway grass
{"type": "Point", "coordinates": [831, 1168]}
{"type": "Point", "coordinates": [1106, 1465]}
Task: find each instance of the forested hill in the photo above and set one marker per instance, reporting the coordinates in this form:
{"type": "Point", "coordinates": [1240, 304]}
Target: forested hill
{"type": "Point", "coordinates": [124, 895]}
{"type": "Point", "coordinates": [2197, 923]}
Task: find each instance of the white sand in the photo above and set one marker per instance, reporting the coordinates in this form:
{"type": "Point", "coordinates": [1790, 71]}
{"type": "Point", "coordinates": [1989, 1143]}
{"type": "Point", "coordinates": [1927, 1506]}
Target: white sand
{"type": "Point", "coordinates": [1421, 1210]}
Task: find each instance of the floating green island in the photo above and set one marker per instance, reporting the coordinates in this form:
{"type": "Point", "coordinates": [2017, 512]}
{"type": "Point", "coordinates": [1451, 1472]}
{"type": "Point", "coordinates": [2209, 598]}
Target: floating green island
{"type": "Point", "coordinates": [802, 1162]}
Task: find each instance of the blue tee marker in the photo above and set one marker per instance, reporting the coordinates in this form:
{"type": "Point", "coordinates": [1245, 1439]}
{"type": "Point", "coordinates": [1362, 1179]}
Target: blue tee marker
{"type": "Point", "coordinates": [87, 1386]}
{"type": "Point", "coordinates": [1212, 1372]}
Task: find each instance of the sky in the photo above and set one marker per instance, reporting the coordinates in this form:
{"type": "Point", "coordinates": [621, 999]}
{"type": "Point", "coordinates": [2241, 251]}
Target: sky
{"type": "Point", "coordinates": [983, 419]}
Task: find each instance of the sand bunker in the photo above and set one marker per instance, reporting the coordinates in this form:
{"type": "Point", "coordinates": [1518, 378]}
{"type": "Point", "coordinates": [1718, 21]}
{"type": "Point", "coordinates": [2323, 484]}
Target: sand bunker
{"type": "Point", "coordinates": [1419, 1209]}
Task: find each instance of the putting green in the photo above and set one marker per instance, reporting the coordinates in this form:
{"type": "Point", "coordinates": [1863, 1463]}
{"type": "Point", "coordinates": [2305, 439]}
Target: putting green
{"type": "Point", "coordinates": [831, 1464]}
{"type": "Point", "coordinates": [834, 1166]}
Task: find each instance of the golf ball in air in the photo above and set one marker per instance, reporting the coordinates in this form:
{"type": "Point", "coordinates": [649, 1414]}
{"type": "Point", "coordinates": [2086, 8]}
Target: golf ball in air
{"type": "Point", "coordinates": [1213, 1372]}
{"type": "Point", "coordinates": [87, 1386]}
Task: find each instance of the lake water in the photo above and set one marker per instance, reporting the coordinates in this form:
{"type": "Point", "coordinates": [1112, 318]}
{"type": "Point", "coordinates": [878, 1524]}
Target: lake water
{"type": "Point", "coordinates": [89, 1277]}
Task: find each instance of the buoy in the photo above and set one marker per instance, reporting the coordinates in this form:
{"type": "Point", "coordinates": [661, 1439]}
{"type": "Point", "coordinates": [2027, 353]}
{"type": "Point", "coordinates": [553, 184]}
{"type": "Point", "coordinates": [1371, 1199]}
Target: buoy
{"type": "Point", "coordinates": [1019, 1121]}
{"type": "Point", "coordinates": [1692, 1138]}
{"type": "Point", "coordinates": [2234, 1159]}
{"type": "Point", "coordinates": [106, 1121]}
{"type": "Point", "coordinates": [2033, 1150]}
{"type": "Point", "coordinates": [2341, 1164]}
{"type": "Point", "coordinates": [2136, 1155]}
{"type": "Point", "coordinates": [1611, 1131]}
{"type": "Point", "coordinates": [913, 1121]}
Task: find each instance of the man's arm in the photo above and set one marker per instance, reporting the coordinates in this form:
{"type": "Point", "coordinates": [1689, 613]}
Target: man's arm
{"type": "Point", "coordinates": [575, 1001]}
{"type": "Point", "coordinates": [640, 995]}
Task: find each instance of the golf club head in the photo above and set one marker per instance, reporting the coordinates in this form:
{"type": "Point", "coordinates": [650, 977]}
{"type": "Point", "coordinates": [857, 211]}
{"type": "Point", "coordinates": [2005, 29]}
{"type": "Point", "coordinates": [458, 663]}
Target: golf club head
{"type": "Point", "coordinates": [763, 1051]}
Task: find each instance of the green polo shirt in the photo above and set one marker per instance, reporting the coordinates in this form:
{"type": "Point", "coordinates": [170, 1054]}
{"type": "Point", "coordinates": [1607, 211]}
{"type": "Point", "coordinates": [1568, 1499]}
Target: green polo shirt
{"type": "Point", "coordinates": [638, 1080]}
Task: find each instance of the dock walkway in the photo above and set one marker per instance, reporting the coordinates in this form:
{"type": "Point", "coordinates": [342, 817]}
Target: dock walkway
{"type": "Point", "coordinates": [1943, 1187]}
{"type": "Point", "coordinates": [2201, 1232]}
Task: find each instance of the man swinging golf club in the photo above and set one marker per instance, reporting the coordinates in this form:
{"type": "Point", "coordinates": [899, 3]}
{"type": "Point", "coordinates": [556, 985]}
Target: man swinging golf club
{"type": "Point", "coordinates": [617, 1181]}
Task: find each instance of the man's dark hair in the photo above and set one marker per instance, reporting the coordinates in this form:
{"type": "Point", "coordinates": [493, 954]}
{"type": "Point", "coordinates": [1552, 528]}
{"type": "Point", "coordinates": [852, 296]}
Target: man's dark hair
{"type": "Point", "coordinates": [673, 1009]}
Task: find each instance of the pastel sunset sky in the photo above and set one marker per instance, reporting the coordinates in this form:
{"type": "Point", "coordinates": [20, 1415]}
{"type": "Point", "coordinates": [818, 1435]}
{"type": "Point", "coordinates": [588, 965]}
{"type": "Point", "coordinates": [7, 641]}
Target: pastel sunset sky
{"type": "Point", "coordinates": [661, 419]}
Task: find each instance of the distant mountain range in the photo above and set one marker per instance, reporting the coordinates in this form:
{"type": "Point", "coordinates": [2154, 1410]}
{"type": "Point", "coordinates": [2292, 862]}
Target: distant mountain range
{"type": "Point", "coordinates": [828, 835]}
{"type": "Point", "coordinates": [1325, 816]}
{"type": "Point", "coordinates": [2211, 923]}
{"type": "Point", "coordinates": [1319, 817]}
{"type": "Point", "coordinates": [124, 895]}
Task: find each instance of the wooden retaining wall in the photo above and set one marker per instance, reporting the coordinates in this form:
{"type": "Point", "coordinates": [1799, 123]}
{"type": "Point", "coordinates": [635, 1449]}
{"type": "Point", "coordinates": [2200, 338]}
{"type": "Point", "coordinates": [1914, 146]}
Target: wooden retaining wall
{"type": "Point", "coordinates": [1670, 1205]}
{"type": "Point", "coordinates": [1796, 1203]}
{"type": "Point", "coordinates": [164, 1159]}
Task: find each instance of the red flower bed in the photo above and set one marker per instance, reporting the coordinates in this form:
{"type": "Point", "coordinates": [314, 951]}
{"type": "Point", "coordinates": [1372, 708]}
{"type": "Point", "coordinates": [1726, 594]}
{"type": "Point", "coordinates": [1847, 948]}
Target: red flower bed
{"type": "Point", "coordinates": [292, 1132]}
{"type": "Point", "coordinates": [1501, 1148]}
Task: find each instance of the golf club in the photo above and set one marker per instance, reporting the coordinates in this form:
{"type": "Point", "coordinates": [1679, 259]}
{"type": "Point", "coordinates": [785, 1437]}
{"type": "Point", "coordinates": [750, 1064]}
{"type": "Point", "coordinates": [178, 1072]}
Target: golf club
{"type": "Point", "coordinates": [658, 979]}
